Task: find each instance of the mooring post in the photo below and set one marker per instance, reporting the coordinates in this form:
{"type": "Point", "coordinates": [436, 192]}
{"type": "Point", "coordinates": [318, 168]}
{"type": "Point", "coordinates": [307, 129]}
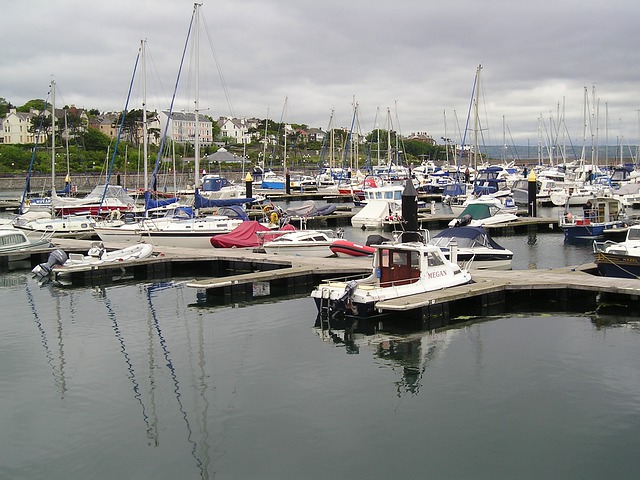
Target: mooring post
{"type": "Point", "coordinates": [533, 192]}
{"type": "Point", "coordinates": [248, 185]}
{"type": "Point", "coordinates": [410, 212]}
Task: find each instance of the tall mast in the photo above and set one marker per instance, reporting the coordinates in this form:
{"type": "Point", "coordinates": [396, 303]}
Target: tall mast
{"type": "Point", "coordinates": [197, 106]}
{"type": "Point", "coordinates": [144, 115]}
{"type": "Point", "coordinates": [264, 152]}
{"type": "Point", "coordinates": [53, 135]}
{"type": "Point", "coordinates": [476, 119]}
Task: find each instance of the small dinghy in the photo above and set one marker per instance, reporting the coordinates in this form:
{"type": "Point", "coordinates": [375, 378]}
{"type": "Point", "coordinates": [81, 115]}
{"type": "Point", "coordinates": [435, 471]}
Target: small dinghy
{"type": "Point", "coordinates": [59, 261]}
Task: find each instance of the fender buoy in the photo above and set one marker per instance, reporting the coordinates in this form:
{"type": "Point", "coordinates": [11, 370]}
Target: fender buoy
{"type": "Point", "coordinates": [274, 217]}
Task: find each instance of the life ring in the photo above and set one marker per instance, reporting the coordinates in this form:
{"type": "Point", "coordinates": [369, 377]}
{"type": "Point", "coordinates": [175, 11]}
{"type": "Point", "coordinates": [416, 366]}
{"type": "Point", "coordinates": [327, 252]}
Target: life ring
{"type": "Point", "coordinates": [274, 218]}
{"type": "Point", "coordinates": [115, 215]}
{"type": "Point", "coordinates": [267, 208]}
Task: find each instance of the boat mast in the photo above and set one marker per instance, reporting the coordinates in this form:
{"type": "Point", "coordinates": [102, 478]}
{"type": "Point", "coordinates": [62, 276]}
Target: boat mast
{"type": "Point", "coordinates": [196, 102]}
{"type": "Point", "coordinates": [284, 129]}
{"type": "Point", "coordinates": [53, 136]}
{"type": "Point", "coordinates": [264, 152]}
{"type": "Point", "coordinates": [144, 115]}
{"type": "Point", "coordinates": [476, 120]}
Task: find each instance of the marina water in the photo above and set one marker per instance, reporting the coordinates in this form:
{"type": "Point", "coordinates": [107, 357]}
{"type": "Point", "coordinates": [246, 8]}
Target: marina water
{"type": "Point", "coordinates": [143, 381]}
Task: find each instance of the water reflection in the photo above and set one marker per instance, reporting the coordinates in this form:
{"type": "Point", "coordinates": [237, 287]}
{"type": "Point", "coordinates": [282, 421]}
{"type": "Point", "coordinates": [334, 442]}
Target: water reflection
{"type": "Point", "coordinates": [55, 360]}
{"type": "Point", "coordinates": [410, 352]}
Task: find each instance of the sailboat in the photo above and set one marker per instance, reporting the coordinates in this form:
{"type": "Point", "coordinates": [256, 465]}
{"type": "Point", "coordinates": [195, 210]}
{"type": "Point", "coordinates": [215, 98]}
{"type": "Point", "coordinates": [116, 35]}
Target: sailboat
{"type": "Point", "coordinates": [181, 226]}
{"type": "Point", "coordinates": [42, 221]}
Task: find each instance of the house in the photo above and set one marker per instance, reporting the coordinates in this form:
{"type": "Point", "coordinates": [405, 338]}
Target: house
{"type": "Point", "coordinates": [422, 137]}
{"type": "Point", "coordinates": [182, 127]}
{"type": "Point", "coordinates": [235, 128]}
{"type": "Point", "coordinates": [315, 135]}
{"type": "Point", "coordinates": [15, 127]}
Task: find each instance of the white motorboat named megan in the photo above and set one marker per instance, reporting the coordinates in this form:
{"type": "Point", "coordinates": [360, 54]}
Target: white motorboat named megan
{"type": "Point", "coordinates": [399, 269]}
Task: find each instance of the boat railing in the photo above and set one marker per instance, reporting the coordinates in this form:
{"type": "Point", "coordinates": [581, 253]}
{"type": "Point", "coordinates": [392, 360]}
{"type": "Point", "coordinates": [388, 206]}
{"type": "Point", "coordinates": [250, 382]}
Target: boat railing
{"type": "Point", "coordinates": [344, 279]}
{"type": "Point", "coordinates": [599, 246]}
{"type": "Point", "coordinates": [423, 236]}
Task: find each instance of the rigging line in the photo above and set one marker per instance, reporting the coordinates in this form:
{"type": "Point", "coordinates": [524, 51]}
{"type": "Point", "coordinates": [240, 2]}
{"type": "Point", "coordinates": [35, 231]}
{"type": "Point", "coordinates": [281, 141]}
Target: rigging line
{"type": "Point", "coordinates": [466, 127]}
{"type": "Point", "coordinates": [33, 156]}
{"type": "Point", "coordinates": [174, 376]}
{"type": "Point", "coordinates": [152, 433]}
{"type": "Point", "coordinates": [43, 337]}
{"type": "Point", "coordinates": [222, 80]}
{"type": "Point", "coordinates": [115, 149]}
{"type": "Point", "coordinates": [166, 127]}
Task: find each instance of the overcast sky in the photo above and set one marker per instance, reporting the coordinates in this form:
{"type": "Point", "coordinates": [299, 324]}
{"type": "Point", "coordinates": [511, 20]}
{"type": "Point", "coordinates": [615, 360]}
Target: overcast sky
{"type": "Point", "coordinates": [415, 58]}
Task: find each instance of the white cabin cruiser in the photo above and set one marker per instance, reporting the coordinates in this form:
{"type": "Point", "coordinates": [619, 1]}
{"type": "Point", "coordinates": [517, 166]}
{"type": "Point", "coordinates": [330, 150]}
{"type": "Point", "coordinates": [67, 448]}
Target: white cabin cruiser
{"type": "Point", "coordinates": [399, 269]}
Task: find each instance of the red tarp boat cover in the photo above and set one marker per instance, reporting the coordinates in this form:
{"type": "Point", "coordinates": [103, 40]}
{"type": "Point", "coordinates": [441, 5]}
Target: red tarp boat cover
{"type": "Point", "coordinates": [244, 235]}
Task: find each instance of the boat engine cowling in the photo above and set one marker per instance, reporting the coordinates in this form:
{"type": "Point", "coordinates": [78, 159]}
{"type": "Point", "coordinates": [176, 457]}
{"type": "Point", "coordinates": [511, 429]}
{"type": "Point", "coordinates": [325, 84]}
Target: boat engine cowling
{"type": "Point", "coordinates": [57, 257]}
{"type": "Point", "coordinates": [465, 220]}
{"type": "Point", "coordinates": [343, 302]}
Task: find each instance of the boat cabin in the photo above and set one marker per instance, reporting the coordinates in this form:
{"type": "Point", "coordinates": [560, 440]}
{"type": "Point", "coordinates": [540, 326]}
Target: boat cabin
{"type": "Point", "coordinates": [401, 266]}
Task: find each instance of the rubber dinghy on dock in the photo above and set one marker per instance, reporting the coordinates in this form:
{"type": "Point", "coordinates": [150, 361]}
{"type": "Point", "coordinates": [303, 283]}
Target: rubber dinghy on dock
{"type": "Point", "coordinates": [399, 269]}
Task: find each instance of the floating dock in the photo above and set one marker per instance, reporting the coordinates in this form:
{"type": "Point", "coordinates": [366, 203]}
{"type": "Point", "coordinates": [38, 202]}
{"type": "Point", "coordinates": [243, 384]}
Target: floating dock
{"type": "Point", "coordinates": [231, 275]}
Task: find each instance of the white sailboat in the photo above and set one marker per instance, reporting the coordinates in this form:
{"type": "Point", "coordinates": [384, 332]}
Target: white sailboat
{"type": "Point", "coordinates": [181, 227]}
{"type": "Point", "coordinates": [42, 221]}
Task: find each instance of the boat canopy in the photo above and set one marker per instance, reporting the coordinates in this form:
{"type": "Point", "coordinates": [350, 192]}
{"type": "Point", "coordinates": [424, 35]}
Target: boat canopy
{"type": "Point", "coordinates": [466, 237]}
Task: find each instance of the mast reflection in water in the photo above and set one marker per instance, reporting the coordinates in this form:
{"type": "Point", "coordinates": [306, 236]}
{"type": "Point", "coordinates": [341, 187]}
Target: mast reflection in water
{"type": "Point", "coordinates": [136, 381]}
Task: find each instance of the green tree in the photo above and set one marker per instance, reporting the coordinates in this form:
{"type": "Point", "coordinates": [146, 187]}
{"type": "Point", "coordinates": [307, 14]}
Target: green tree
{"type": "Point", "coordinates": [94, 139]}
{"type": "Point", "coordinates": [4, 107]}
{"type": "Point", "coordinates": [37, 104]}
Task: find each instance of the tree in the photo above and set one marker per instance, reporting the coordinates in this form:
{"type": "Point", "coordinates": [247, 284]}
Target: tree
{"type": "Point", "coordinates": [95, 140]}
{"type": "Point", "coordinates": [4, 107]}
{"type": "Point", "coordinates": [36, 104]}
{"type": "Point", "coordinates": [42, 124]}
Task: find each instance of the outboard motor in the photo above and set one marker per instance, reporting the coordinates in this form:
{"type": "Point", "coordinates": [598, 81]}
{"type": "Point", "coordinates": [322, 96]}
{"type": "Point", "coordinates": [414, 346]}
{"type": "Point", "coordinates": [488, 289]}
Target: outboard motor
{"type": "Point", "coordinates": [344, 301]}
{"type": "Point", "coordinates": [57, 257]}
{"type": "Point", "coordinates": [465, 220]}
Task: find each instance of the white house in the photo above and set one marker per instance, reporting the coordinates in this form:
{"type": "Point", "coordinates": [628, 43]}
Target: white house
{"type": "Point", "coordinates": [236, 128]}
{"type": "Point", "coordinates": [15, 128]}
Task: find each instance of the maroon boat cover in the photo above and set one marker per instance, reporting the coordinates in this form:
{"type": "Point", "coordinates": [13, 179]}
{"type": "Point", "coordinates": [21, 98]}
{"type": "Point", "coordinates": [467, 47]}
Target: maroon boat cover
{"type": "Point", "coordinates": [244, 235]}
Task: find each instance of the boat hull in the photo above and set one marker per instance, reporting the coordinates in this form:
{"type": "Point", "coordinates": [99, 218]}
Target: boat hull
{"type": "Point", "coordinates": [351, 249]}
{"type": "Point", "coordinates": [617, 265]}
{"type": "Point", "coordinates": [585, 231]}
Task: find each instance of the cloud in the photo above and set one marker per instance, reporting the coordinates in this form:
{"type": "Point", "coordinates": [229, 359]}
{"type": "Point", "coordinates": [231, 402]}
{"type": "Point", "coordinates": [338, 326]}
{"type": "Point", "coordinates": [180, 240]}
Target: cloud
{"type": "Point", "coordinates": [416, 58]}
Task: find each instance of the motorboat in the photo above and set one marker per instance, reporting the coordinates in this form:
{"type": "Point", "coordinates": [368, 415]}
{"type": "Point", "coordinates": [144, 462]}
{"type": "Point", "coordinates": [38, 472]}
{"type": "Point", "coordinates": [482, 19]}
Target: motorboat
{"type": "Point", "coordinates": [218, 187]}
{"type": "Point", "coordinates": [305, 243]}
{"type": "Point", "coordinates": [605, 213]}
{"type": "Point", "coordinates": [373, 215]}
{"type": "Point", "coordinates": [18, 246]}
{"type": "Point", "coordinates": [500, 202]}
{"type": "Point", "coordinates": [399, 269]}
{"type": "Point", "coordinates": [475, 248]}
{"type": "Point", "coordinates": [59, 262]}
{"type": "Point", "coordinates": [484, 210]}
{"type": "Point", "coordinates": [619, 259]}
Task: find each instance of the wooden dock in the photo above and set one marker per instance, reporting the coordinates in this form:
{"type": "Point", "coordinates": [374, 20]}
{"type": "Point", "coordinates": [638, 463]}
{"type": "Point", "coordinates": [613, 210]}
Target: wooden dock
{"type": "Point", "coordinates": [229, 275]}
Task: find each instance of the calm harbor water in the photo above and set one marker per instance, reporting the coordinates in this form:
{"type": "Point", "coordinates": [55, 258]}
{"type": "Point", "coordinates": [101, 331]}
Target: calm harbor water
{"type": "Point", "coordinates": [142, 381]}
{"type": "Point", "coordinates": [139, 381]}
